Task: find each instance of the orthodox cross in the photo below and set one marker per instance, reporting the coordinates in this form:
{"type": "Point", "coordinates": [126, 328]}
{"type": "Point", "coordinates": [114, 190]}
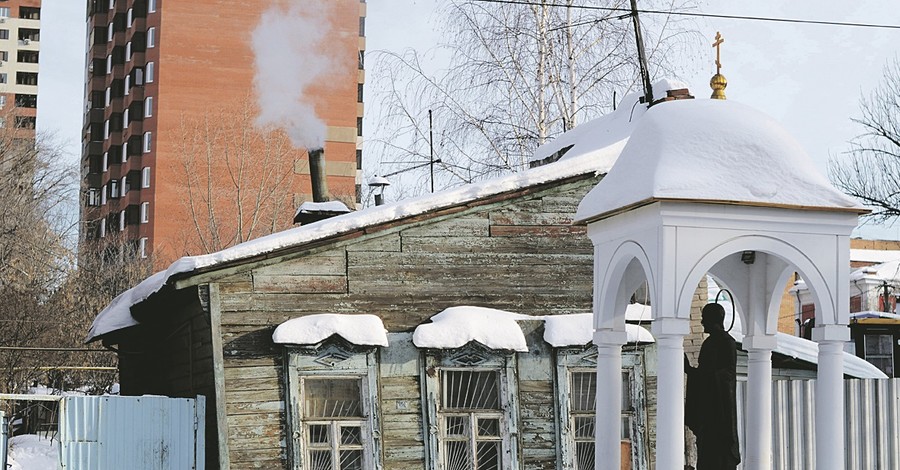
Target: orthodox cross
{"type": "Point", "coordinates": [718, 42]}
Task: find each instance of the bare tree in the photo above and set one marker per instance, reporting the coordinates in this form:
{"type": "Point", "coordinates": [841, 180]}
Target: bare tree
{"type": "Point", "coordinates": [870, 170]}
{"type": "Point", "coordinates": [238, 180]}
{"type": "Point", "coordinates": [518, 76]}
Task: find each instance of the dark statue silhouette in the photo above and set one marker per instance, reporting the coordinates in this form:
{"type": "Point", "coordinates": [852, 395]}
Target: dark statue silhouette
{"type": "Point", "coordinates": [711, 407]}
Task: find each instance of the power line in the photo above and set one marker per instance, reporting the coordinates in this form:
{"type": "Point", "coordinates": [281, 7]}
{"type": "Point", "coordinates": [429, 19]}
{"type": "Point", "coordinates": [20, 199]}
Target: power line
{"type": "Point", "coordinates": [698, 15]}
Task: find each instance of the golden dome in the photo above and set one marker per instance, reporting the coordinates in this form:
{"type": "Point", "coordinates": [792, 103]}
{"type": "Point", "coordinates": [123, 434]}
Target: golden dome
{"type": "Point", "coordinates": [718, 84]}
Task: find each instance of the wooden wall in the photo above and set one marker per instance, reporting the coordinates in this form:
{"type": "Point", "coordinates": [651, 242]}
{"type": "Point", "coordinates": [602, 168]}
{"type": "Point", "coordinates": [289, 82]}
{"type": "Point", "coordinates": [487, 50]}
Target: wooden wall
{"type": "Point", "coordinates": [521, 255]}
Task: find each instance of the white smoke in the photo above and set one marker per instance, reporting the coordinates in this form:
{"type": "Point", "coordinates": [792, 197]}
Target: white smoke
{"type": "Point", "coordinates": [287, 44]}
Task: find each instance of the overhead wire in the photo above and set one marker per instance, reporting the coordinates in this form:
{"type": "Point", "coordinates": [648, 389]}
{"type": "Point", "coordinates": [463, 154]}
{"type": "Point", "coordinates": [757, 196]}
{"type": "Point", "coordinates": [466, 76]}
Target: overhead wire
{"type": "Point", "coordinates": [697, 15]}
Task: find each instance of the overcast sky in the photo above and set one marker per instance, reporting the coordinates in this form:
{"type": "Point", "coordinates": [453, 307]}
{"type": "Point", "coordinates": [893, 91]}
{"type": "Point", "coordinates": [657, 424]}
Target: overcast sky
{"type": "Point", "coordinates": [808, 77]}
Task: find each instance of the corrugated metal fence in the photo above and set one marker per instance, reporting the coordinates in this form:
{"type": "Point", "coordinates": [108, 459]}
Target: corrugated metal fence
{"type": "Point", "coordinates": [872, 417]}
{"type": "Point", "coordinates": [136, 433]}
{"type": "Point", "coordinates": [132, 432]}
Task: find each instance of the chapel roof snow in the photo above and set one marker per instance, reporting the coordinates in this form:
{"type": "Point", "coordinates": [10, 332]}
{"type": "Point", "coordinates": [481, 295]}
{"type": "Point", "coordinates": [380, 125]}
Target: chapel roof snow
{"type": "Point", "coordinates": [712, 151]}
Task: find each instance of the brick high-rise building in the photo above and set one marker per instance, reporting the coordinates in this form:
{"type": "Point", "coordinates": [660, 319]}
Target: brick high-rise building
{"type": "Point", "coordinates": [172, 161]}
{"type": "Point", "coordinates": [20, 36]}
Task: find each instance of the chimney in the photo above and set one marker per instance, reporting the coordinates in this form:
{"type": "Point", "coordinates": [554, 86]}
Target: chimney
{"type": "Point", "coordinates": [672, 95]}
{"type": "Point", "coordinates": [317, 175]}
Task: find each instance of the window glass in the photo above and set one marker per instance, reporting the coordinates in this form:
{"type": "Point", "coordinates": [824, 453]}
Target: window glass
{"type": "Point", "coordinates": [879, 350]}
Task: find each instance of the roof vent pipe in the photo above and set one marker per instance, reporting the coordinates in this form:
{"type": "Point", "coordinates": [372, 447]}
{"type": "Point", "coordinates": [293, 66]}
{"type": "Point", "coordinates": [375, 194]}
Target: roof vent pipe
{"type": "Point", "coordinates": [317, 175]}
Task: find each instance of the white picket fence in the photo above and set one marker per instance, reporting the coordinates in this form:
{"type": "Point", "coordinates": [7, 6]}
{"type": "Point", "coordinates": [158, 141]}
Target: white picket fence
{"type": "Point", "coordinates": [871, 414]}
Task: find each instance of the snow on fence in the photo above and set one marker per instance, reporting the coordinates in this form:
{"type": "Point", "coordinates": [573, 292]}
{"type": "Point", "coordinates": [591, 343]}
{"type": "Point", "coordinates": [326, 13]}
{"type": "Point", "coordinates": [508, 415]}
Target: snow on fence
{"type": "Point", "coordinates": [139, 433]}
{"type": "Point", "coordinates": [871, 414]}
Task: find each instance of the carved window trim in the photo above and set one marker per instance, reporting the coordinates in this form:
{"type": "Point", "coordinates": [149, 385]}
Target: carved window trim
{"type": "Point", "coordinates": [584, 359]}
{"type": "Point", "coordinates": [471, 357]}
{"type": "Point", "coordinates": [332, 359]}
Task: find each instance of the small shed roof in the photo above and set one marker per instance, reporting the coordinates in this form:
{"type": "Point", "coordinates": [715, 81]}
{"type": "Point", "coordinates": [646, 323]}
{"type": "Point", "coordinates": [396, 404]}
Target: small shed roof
{"type": "Point", "coordinates": [704, 150]}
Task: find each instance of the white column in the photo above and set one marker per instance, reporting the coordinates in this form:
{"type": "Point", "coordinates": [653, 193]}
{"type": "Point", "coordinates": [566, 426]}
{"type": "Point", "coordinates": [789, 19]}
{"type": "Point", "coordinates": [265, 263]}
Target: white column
{"type": "Point", "coordinates": [608, 437]}
{"type": "Point", "coordinates": [830, 396]}
{"type": "Point", "coordinates": [670, 334]}
{"type": "Point", "coordinates": [759, 403]}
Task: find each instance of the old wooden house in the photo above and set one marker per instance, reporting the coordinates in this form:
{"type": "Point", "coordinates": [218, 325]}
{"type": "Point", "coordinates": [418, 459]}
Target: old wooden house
{"type": "Point", "coordinates": [206, 327]}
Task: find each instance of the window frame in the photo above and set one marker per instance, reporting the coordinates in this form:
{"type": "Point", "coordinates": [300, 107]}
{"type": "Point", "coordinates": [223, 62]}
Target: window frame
{"type": "Point", "coordinates": [584, 359]}
{"type": "Point", "coordinates": [471, 357]}
{"type": "Point", "coordinates": [337, 359]}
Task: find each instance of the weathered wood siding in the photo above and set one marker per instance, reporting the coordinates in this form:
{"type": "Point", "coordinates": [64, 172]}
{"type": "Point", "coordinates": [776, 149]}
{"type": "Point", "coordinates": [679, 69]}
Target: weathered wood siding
{"type": "Point", "coordinates": [521, 255]}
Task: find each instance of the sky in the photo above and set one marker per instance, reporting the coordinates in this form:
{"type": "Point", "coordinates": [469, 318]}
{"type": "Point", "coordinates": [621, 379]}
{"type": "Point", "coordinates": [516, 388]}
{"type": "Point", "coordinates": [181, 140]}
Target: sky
{"type": "Point", "coordinates": [808, 77]}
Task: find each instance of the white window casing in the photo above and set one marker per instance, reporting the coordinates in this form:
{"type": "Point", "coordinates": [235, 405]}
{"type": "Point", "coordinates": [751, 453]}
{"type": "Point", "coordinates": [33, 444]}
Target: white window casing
{"type": "Point", "coordinates": [150, 72]}
{"type": "Point", "coordinates": [108, 97]}
{"type": "Point", "coordinates": [151, 6]}
{"type": "Point", "coordinates": [109, 33]}
{"type": "Point", "coordinates": [108, 64]}
{"type": "Point", "coordinates": [124, 184]}
{"type": "Point", "coordinates": [148, 138]}
{"type": "Point", "coordinates": [127, 85]}
{"type": "Point", "coordinates": [124, 152]}
{"type": "Point", "coordinates": [148, 106]}
{"type": "Point", "coordinates": [145, 212]}
{"type": "Point", "coordinates": [145, 177]}
{"type": "Point", "coordinates": [126, 117]}
{"type": "Point", "coordinates": [128, 51]}
{"type": "Point", "coordinates": [130, 17]}
{"type": "Point", "coordinates": [102, 228]}
{"type": "Point", "coordinates": [122, 221]}
{"type": "Point", "coordinates": [142, 247]}
{"type": "Point", "coordinates": [103, 195]}
{"type": "Point", "coordinates": [105, 162]}
{"type": "Point", "coordinates": [151, 37]}
{"type": "Point", "coordinates": [471, 403]}
{"type": "Point", "coordinates": [105, 129]}
{"type": "Point", "coordinates": [333, 408]}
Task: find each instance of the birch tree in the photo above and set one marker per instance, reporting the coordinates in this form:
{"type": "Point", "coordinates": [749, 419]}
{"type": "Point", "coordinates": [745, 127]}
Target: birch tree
{"type": "Point", "coordinates": [870, 170]}
{"type": "Point", "coordinates": [237, 180]}
{"type": "Point", "coordinates": [518, 75]}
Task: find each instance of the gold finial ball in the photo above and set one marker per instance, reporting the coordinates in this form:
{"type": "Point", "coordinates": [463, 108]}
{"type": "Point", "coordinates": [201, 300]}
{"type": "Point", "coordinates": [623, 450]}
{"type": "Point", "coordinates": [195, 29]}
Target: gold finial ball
{"type": "Point", "coordinates": [718, 84]}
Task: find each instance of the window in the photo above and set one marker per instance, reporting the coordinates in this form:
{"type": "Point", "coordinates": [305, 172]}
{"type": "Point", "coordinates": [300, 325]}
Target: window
{"type": "Point", "coordinates": [103, 195]}
{"type": "Point", "coordinates": [121, 221]}
{"type": "Point", "coordinates": [93, 197]}
{"type": "Point", "coordinates": [128, 51]}
{"type": "Point", "coordinates": [26, 78]}
{"type": "Point", "coordinates": [125, 186]}
{"type": "Point", "coordinates": [114, 189]}
{"type": "Point", "coordinates": [130, 17]}
{"type": "Point", "coordinates": [109, 33]}
{"type": "Point", "coordinates": [126, 118]}
{"type": "Point", "coordinates": [102, 228]}
{"type": "Point", "coordinates": [3, 78]}
{"type": "Point", "coordinates": [112, 4]}
{"type": "Point", "coordinates": [28, 13]}
{"type": "Point", "coordinates": [4, 55]}
{"type": "Point", "coordinates": [577, 389]}
{"type": "Point", "coordinates": [333, 399]}
{"type": "Point", "coordinates": [145, 177]}
{"type": "Point", "coordinates": [105, 130]}
{"type": "Point", "coordinates": [151, 6]}
{"type": "Point", "coordinates": [4, 34]}
{"type": "Point", "coordinates": [148, 107]}
{"type": "Point", "coordinates": [149, 73]}
{"type": "Point", "coordinates": [470, 404]}
{"type": "Point", "coordinates": [124, 152]}
{"type": "Point", "coordinates": [142, 247]}
{"type": "Point", "coordinates": [127, 85]}
{"type": "Point", "coordinates": [145, 212]}
{"type": "Point", "coordinates": [109, 64]}
{"type": "Point", "coordinates": [4, 12]}
{"type": "Point", "coordinates": [107, 97]}
{"type": "Point", "coordinates": [147, 138]}
{"type": "Point", "coordinates": [24, 100]}
{"type": "Point", "coordinates": [151, 37]}
{"type": "Point", "coordinates": [2, 101]}
{"type": "Point", "coordinates": [105, 162]}
{"type": "Point", "coordinates": [879, 351]}
{"type": "Point", "coordinates": [27, 57]}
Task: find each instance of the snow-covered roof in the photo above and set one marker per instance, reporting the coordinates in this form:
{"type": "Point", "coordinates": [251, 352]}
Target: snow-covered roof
{"type": "Point", "coordinates": [578, 329]}
{"type": "Point", "coordinates": [716, 151]}
{"type": "Point", "coordinates": [310, 207]}
{"type": "Point", "coordinates": [364, 330]}
{"type": "Point", "coordinates": [874, 256]}
{"type": "Point", "coordinates": [638, 313]}
{"type": "Point", "coordinates": [117, 315]}
{"type": "Point", "coordinates": [889, 271]}
{"type": "Point", "coordinates": [610, 130]}
{"type": "Point", "coordinates": [874, 314]}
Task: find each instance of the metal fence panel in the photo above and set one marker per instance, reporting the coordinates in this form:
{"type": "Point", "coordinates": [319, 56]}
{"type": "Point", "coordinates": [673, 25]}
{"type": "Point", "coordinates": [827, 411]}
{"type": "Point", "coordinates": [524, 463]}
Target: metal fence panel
{"type": "Point", "coordinates": [141, 433]}
{"type": "Point", "coordinates": [871, 417]}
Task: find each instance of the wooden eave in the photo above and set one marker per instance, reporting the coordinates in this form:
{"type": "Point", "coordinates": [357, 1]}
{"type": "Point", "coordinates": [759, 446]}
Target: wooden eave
{"type": "Point", "coordinates": [724, 202]}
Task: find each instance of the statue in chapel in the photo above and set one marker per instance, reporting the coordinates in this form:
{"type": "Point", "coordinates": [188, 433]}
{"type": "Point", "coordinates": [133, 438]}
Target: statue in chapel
{"type": "Point", "coordinates": [711, 407]}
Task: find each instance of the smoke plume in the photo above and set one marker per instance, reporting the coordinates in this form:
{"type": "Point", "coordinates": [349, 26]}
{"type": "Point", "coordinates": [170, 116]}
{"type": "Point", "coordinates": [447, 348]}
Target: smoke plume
{"type": "Point", "coordinates": [288, 47]}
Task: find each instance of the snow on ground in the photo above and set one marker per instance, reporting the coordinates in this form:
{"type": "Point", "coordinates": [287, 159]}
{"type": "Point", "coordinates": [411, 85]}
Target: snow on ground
{"type": "Point", "coordinates": [705, 150]}
{"type": "Point", "coordinates": [31, 452]}
{"type": "Point", "coordinates": [313, 329]}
